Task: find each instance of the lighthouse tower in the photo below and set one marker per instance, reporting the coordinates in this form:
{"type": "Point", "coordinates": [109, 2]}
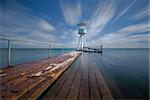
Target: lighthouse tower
{"type": "Point", "coordinates": [82, 41]}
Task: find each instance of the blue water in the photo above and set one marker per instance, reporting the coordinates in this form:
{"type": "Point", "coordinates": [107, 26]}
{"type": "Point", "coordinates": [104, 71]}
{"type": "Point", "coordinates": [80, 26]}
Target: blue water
{"type": "Point", "coordinates": [126, 72]}
{"type": "Point", "coordinates": [19, 56]}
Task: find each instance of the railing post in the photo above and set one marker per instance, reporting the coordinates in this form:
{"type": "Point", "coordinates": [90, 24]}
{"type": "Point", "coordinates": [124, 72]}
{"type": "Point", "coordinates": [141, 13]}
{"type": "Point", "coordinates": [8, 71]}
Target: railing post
{"type": "Point", "coordinates": [49, 52]}
{"type": "Point", "coordinates": [62, 49]}
{"type": "Point", "coordinates": [9, 53]}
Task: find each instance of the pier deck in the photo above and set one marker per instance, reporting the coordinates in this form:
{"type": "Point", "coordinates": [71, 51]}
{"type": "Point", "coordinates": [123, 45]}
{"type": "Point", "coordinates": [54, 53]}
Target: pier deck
{"type": "Point", "coordinates": [30, 80]}
{"type": "Point", "coordinates": [82, 80]}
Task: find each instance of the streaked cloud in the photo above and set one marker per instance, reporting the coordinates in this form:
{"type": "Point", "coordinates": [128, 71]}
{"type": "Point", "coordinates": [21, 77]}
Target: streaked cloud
{"type": "Point", "coordinates": [17, 22]}
{"type": "Point", "coordinates": [27, 22]}
{"type": "Point", "coordinates": [133, 41]}
{"type": "Point", "coordinates": [71, 12]}
{"type": "Point", "coordinates": [123, 11]}
{"type": "Point", "coordinates": [135, 28]}
{"type": "Point", "coordinates": [142, 13]}
{"type": "Point", "coordinates": [46, 26]}
{"type": "Point", "coordinates": [69, 37]}
{"type": "Point", "coordinates": [101, 17]}
{"type": "Point", "coordinates": [127, 36]}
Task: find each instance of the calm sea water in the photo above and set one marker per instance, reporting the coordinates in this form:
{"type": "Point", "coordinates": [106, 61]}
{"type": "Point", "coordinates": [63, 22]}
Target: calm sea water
{"type": "Point", "coordinates": [125, 70]}
{"type": "Point", "coordinates": [19, 56]}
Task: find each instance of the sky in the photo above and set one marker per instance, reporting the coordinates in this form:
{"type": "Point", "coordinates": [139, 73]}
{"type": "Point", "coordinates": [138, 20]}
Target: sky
{"type": "Point", "coordinates": [112, 23]}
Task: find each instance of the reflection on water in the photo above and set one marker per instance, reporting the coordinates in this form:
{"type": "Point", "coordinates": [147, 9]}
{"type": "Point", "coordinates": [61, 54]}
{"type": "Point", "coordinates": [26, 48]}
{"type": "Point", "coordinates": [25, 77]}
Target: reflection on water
{"type": "Point", "coordinates": [126, 70]}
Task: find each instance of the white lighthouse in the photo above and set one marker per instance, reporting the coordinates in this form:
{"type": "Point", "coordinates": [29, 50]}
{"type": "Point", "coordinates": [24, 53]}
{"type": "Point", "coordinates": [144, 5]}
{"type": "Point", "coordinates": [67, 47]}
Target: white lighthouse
{"type": "Point", "coordinates": [82, 40]}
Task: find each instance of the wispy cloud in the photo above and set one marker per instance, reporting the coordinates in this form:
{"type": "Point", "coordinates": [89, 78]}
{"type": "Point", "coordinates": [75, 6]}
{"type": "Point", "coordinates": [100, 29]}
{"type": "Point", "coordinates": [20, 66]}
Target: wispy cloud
{"type": "Point", "coordinates": [71, 12]}
{"type": "Point", "coordinates": [127, 36]}
{"type": "Point", "coordinates": [135, 28]}
{"type": "Point", "coordinates": [18, 22]}
{"type": "Point", "coordinates": [100, 18]}
{"type": "Point", "coordinates": [132, 41]}
{"type": "Point", "coordinates": [46, 26]}
{"type": "Point", "coordinates": [71, 35]}
{"type": "Point", "coordinates": [141, 14]}
{"type": "Point", "coordinates": [123, 11]}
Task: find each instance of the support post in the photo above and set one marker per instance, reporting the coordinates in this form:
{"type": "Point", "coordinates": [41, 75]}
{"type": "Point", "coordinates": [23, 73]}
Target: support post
{"type": "Point", "coordinates": [63, 48]}
{"type": "Point", "coordinates": [9, 53]}
{"type": "Point", "coordinates": [49, 52]}
{"type": "Point", "coordinates": [101, 49]}
{"type": "Point", "coordinates": [78, 46]}
{"type": "Point", "coordinates": [85, 44]}
{"type": "Point", "coordinates": [81, 43]}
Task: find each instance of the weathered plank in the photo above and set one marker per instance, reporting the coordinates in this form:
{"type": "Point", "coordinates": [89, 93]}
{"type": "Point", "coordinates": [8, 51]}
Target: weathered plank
{"type": "Point", "coordinates": [83, 82]}
{"type": "Point", "coordinates": [84, 88]}
{"type": "Point", "coordinates": [105, 92]}
{"type": "Point", "coordinates": [17, 84]}
{"type": "Point", "coordinates": [40, 88]}
{"type": "Point", "coordinates": [67, 85]}
{"type": "Point", "coordinates": [94, 91]}
{"type": "Point", "coordinates": [51, 94]}
{"type": "Point", "coordinates": [75, 88]}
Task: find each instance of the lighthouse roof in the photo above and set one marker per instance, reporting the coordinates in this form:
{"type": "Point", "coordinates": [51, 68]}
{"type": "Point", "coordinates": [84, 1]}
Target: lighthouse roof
{"type": "Point", "coordinates": [82, 24]}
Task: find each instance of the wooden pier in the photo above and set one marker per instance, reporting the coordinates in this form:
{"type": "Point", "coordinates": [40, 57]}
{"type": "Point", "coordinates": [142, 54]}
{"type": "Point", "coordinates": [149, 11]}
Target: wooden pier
{"type": "Point", "coordinates": [82, 81]}
{"type": "Point", "coordinates": [57, 81]}
{"type": "Point", "coordinates": [29, 81]}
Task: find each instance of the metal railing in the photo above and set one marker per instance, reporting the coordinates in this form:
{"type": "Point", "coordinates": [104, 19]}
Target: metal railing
{"type": "Point", "coordinates": [10, 40]}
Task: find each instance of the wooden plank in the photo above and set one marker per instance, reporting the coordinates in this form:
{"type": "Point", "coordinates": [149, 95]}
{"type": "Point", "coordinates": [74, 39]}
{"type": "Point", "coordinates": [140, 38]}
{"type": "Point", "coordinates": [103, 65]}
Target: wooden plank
{"type": "Point", "coordinates": [14, 85]}
{"type": "Point", "coordinates": [84, 87]}
{"type": "Point", "coordinates": [75, 88]}
{"type": "Point", "coordinates": [67, 85]}
{"type": "Point", "coordinates": [94, 91]}
{"type": "Point", "coordinates": [20, 90]}
{"type": "Point", "coordinates": [40, 88]}
{"type": "Point", "coordinates": [84, 82]}
{"type": "Point", "coordinates": [14, 73]}
{"type": "Point", "coordinates": [105, 92]}
{"type": "Point", "coordinates": [53, 91]}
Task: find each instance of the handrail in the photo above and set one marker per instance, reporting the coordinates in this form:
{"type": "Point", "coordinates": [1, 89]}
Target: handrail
{"type": "Point", "coordinates": [23, 40]}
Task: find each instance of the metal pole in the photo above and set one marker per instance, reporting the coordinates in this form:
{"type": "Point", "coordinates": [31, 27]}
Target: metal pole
{"type": "Point", "coordinates": [63, 48]}
{"type": "Point", "coordinates": [82, 43]}
{"type": "Point", "coordinates": [9, 53]}
{"type": "Point", "coordinates": [49, 52]}
{"type": "Point", "coordinates": [101, 48]}
{"type": "Point", "coordinates": [78, 46]}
